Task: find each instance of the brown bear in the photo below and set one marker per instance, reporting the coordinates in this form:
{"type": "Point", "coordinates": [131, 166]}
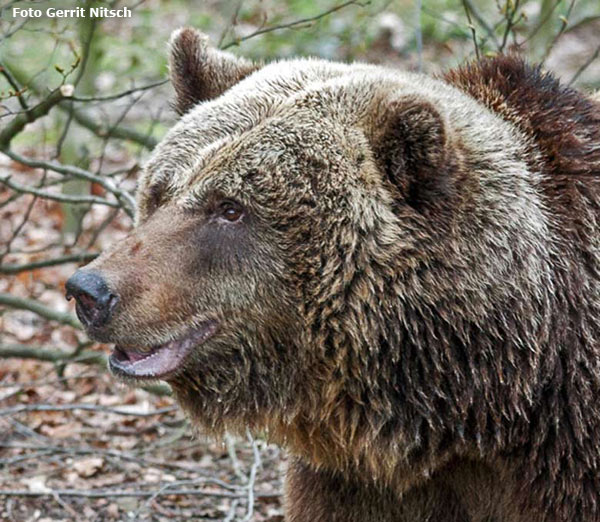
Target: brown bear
{"type": "Point", "coordinates": [395, 277]}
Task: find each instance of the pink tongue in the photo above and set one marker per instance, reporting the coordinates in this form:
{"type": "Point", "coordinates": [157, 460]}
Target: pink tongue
{"type": "Point", "coordinates": [164, 359]}
{"type": "Point", "coordinates": [137, 356]}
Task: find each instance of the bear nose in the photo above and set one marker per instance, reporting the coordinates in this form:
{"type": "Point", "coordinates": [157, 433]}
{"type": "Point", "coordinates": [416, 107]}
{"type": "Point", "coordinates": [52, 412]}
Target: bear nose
{"type": "Point", "coordinates": [94, 301]}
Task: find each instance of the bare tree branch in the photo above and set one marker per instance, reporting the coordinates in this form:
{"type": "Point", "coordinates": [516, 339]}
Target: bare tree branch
{"type": "Point", "coordinates": [472, 9]}
{"type": "Point", "coordinates": [302, 21]}
{"type": "Point", "coordinates": [472, 28]}
{"type": "Point", "coordinates": [17, 230]}
{"type": "Point", "coordinates": [92, 357]}
{"type": "Point", "coordinates": [121, 455]}
{"type": "Point", "coordinates": [114, 493]}
{"type": "Point", "coordinates": [84, 119]}
{"type": "Point", "coordinates": [584, 21]}
{"type": "Point", "coordinates": [252, 478]}
{"type": "Point", "coordinates": [122, 94]}
{"type": "Point", "coordinates": [23, 408]}
{"type": "Point", "coordinates": [232, 22]}
{"type": "Point", "coordinates": [17, 124]}
{"type": "Point", "coordinates": [232, 508]}
{"type": "Point", "coordinates": [65, 198]}
{"type": "Point", "coordinates": [70, 258]}
{"type": "Point", "coordinates": [419, 33]}
{"type": "Point", "coordinates": [587, 63]}
{"type": "Point", "coordinates": [22, 303]}
{"type": "Point", "coordinates": [563, 27]}
{"type": "Point", "coordinates": [102, 131]}
{"type": "Point", "coordinates": [511, 9]}
{"type": "Point", "coordinates": [542, 22]}
{"type": "Point", "coordinates": [13, 83]}
{"type": "Point", "coordinates": [22, 351]}
{"type": "Point", "coordinates": [126, 199]}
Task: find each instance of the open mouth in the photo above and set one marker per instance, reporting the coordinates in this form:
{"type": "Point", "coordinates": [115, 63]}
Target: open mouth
{"type": "Point", "coordinates": [160, 361]}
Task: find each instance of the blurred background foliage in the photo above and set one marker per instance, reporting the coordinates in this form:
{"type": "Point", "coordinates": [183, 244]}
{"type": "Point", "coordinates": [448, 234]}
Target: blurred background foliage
{"type": "Point", "coordinates": [111, 56]}
{"type": "Point", "coordinates": [418, 34]}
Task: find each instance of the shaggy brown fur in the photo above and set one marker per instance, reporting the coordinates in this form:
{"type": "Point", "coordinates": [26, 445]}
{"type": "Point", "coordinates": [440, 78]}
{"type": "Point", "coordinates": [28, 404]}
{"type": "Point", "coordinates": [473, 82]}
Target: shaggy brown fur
{"type": "Point", "coordinates": [405, 275]}
{"type": "Point", "coordinates": [563, 130]}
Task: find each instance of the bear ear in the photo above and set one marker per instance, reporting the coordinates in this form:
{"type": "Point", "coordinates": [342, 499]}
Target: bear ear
{"type": "Point", "coordinates": [199, 72]}
{"type": "Point", "coordinates": [411, 144]}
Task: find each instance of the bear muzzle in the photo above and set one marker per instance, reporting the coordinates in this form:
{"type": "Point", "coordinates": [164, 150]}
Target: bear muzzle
{"type": "Point", "coordinates": [95, 302]}
{"type": "Point", "coordinates": [160, 361]}
{"type": "Point", "coordinates": [96, 307]}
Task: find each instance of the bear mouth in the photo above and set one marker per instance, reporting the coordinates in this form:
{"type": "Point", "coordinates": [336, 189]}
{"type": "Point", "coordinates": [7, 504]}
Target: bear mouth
{"type": "Point", "coordinates": [160, 361]}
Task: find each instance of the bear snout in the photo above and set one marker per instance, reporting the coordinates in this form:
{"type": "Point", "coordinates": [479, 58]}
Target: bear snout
{"type": "Point", "coordinates": [94, 300]}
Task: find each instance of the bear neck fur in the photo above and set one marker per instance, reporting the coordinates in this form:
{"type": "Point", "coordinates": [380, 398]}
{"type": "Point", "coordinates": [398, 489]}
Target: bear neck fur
{"type": "Point", "coordinates": [510, 388]}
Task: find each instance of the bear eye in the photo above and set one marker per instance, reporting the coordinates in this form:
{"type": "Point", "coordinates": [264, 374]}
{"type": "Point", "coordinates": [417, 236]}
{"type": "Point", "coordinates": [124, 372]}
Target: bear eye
{"type": "Point", "coordinates": [230, 211]}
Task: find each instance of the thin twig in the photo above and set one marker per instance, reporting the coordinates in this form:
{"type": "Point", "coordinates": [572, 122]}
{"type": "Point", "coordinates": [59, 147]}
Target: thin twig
{"type": "Point", "coordinates": [15, 28]}
{"type": "Point", "coordinates": [121, 455]}
{"type": "Point", "coordinates": [295, 23]}
{"type": "Point", "coordinates": [563, 27]}
{"type": "Point", "coordinates": [64, 133]}
{"type": "Point", "coordinates": [23, 408]}
{"type": "Point", "coordinates": [64, 505]}
{"type": "Point", "coordinates": [24, 458]}
{"type": "Point", "coordinates": [584, 21]}
{"type": "Point", "coordinates": [14, 84]}
{"type": "Point", "coordinates": [541, 23]}
{"type": "Point", "coordinates": [127, 200]}
{"type": "Point", "coordinates": [71, 258]}
{"type": "Point", "coordinates": [230, 443]}
{"type": "Point", "coordinates": [118, 95]}
{"type": "Point", "coordinates": [231, 513]}
{"type": "Point", "coordinates": [102, 131]}
{"type": "Point", "coordinates": [22, 303]}
{"type": "Point", "coordinates": [587, 63]}
{"type": "Point", "coordinates": [472, 28]}
{"type": "Point", "coordinates": [169, 486]}
{"type": "Point", "coordinates": [115, 125]}
{"type": "Point", "coordinates": [17, 124]}
{"type": "Point", "coordinates": [252, 478]}
{"type": "Point", "coordinates": [232, 22]}
{"type": "Point", "coordinates": [65, 198]}
{"type": "Point", "coordinates": [17, 230]}
{"type": "Point", "coordinates": [481, 21]}
{"type": "Point", "coordinates": [101, 228]}
{"type": "Point", "coordinates": [114, 493]}
{"type": "Point", "coordinates": [510, 22]}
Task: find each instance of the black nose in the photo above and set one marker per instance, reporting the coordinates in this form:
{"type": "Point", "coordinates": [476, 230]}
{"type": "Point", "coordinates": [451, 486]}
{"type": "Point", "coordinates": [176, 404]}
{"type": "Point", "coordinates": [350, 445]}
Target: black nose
{"type": "Point", "coordinates": [95, 302]}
